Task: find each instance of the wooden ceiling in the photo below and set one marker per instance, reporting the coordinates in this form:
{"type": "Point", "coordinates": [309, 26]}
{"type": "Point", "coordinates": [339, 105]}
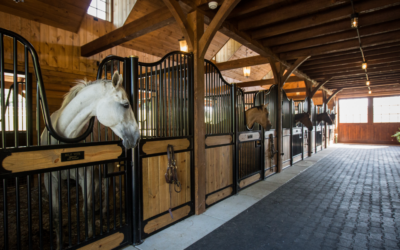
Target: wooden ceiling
{"type": "Point", "coordinates": [322, 29]}
{"type": "Point", "coordinates": [63, 14]}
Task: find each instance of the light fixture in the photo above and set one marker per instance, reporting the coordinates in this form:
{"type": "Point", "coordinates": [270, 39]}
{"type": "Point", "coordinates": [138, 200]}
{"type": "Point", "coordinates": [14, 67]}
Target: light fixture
{"type": "Point", "coordinates": [213, 5]}
{"type": "Point", "coordinates": [246, 71]}
{"type": "Point", "coordinates": [354, 20]}
{"type": "Point", "coordinates": [364, 65]}
{"type": "Point", "coordinates": [297, 93]}
{"type": "Point", "coordinates": [368, 83]}
{"type": "Point", "coordinates": [183, 44]}
{"type": "Point", "coordinates": [369, 92]}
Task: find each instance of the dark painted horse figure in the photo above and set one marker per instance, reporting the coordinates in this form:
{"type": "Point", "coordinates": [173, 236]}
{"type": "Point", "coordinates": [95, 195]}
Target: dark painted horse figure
{"type": "Point", "coordinates": [258, 114]}
{"type": "Point", "coordinates": [304, 118]}
{"type": "Point", "coordinates": [324, 117]}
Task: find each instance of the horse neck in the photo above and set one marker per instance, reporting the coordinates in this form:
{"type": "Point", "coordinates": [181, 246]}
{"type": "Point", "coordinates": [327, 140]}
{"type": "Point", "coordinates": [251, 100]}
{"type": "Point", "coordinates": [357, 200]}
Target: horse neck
{"type": "Point", "coordinates": [73, 118]}
{"type": "Point", "coordinates": [251, 115]}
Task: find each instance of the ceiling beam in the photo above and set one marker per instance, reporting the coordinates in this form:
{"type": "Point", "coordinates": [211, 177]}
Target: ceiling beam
{"type": "Point", "coordinates": [144, 25]}
{"type": "Point", "coordinates": [333, 95]}
{"type": "Point", "coordinates": [319, 86]}
{"type": "Point", "coordinates": [292, 68]}
{"type": "Point", "coordinates": [369, 41]}
{"type": "Point", "coordinates": [393, 68]}
{"type": "Point", "coordinates": [240, 63]}
{"type": "Point", "coordinates": [333, 27]}
{"type": "Point", "coordinates": [323, 18]}
{"type": "Point", "coordinates": [338, 37]}
{"type": "Point", "coordinates": [265, 82]}
{"type": "Point", "coordinates": [288, 11]}
{"type": "Point", "coordinates": [245, 7]}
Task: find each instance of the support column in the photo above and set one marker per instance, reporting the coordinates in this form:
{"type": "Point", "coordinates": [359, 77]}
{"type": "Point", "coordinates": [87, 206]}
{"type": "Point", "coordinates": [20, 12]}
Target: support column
{"type": "Point", "coordinates": [325, 110]}
{"type": "Point", "coordinates": [279, 140]}
{"type": "Point", "coordinates": [196, 22]}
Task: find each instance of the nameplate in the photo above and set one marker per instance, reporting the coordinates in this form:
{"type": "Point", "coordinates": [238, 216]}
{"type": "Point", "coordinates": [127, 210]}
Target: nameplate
{"type": "Point", "coordinates": [73, 156]}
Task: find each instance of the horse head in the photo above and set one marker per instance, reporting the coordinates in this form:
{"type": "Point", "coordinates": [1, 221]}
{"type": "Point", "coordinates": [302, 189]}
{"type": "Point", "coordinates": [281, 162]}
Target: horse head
{"type": "Point", "coordinates": [333, 117]}
{"type": "Point", "coordinates": [114, 111]}
{"type": "Point", "coordinates": [304, 118]}
{"type": "Point", "coordinates": [258, 114]}
{"type": "Point", "coordinates": [324, 117]}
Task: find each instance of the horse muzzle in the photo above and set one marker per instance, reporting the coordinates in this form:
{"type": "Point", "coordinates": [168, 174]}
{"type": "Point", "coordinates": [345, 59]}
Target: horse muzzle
{"type": "Point", "coordinates": [132, 142]}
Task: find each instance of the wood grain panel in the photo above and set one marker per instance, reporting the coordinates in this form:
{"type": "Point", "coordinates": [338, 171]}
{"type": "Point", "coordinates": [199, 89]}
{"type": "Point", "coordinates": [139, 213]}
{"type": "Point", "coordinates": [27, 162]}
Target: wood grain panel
{"type": "Point", "coordinates": [296, 159]}
{"type": "Point", "coordinates": [35, 160]}
{"type": "Point", "coordinates": [270, 171]}
{"type": "Point", "coordinates": [367, 133]}
{"type": "Point", "coordinates": [109, 242]}
{"type": "Point", "coordinates": [249, 180]}
{"type": "Point", "coordinates": [166, 219]}
{"type": "Point", "coordinates": [218, 140]}
{"type": "Point", "coordinates": [286, 148]}
{"type": "Point", "coordinates": [156, 195]}
{"type": "Point", "coordinates": [219, 168]}
{"type": "Point", "coordinates": [156, 147]}
{"type": "Point", "coordinates": [219, 195]}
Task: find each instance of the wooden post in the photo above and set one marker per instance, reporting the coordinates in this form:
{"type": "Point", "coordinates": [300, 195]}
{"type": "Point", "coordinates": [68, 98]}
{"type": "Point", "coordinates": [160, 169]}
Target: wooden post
{"type": "Point", "coordinates": [309, 92]}
{"type": "Point", "coordinates": [279, 129]}
{"type": "Point", "coordinates": [196, 22]}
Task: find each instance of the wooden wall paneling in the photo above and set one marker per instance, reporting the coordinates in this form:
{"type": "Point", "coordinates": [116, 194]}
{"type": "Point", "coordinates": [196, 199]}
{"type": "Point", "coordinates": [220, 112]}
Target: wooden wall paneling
{"type": "Point", "coordinates": [156, 196]}
{"type": "Point", "coordinates": [219, 196]}
{"type": "Point", "coordinates": [267, 153]}
{"type": "Point", "coordinates": [219, 168]}
{"type": "Point", "coordinates": [286, 147]}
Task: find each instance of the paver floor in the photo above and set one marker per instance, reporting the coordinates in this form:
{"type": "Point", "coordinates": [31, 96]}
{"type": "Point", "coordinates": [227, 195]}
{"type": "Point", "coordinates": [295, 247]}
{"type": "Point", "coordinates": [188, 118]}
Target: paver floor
{"type": "Point", "coordinates": [350, 199]}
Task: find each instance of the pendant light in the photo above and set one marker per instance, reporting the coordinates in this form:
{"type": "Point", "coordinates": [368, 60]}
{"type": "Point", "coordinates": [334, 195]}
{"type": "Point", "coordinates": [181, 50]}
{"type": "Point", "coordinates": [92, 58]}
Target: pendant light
{"type": "Point", "coordinates": [183, 45]}
{"type": "Point", "coordinates": [354, 20]}
{"type": "Point", "coordinates": [246, 70]}
{"type": "Point", "coordinates": [367, 83]}
{"type": "Point", "coordinates": [364, 65]}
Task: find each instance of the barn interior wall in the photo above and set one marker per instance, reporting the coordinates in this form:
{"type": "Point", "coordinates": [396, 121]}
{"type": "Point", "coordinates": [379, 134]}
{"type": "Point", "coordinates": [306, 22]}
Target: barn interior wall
{"type": "Point", "coordinates": [59, 53]}
{"type": "Point", "coordinates": [369, 132]}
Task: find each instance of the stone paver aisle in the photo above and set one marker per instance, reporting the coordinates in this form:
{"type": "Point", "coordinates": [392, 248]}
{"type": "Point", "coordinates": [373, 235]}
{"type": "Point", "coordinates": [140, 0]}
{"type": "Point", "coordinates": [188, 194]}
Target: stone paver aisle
{"type": "Point", "coordinates": [348, 200]}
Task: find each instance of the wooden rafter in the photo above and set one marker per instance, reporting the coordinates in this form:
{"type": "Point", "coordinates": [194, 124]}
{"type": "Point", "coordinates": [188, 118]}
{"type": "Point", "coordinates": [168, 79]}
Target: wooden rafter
{"type": "Point", "coordinates": [239, 63]}
{"type": "Point", "coordinates": [333, 95]}
{"type": "Point", "coordinates": [319, 86]}
{"type": "Point", "coordinates": [292, 68]}
{"type": "Point", "coordinates": [139, 27]}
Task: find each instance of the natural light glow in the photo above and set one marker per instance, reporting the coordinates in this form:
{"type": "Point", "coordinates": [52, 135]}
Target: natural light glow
{"type": "Point", "coordinates": [386, 109]}
{"type": "Point", "coordinates": [353, 110]}
{"type": "Point", "coordinates": [98, 8]}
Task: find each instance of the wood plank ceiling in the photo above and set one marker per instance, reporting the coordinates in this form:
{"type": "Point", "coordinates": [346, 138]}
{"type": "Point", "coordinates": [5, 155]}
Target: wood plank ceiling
{"type": "Point", "coordinates": [63, 14]}
{"type": "Point", "coordinates": [322, 29]}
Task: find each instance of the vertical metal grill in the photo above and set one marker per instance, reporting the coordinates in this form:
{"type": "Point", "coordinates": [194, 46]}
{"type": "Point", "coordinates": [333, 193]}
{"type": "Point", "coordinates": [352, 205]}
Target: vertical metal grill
{"type": "Point", "coordinates": [245, 101]}
{"type": "Point", "coordinates": [217, 102]}
{"type": "Point", "coordinates": [270, 98]}
{"type": "Point", "coordinates": [164, 102]}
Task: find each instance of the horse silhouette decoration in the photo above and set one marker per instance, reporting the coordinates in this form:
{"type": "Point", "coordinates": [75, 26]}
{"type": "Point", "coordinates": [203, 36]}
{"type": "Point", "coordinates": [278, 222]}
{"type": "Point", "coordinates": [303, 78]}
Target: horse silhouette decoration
{"type": "Point", "coordinates": [106, 100]}
{"type": "Point", "coordinates": [304, 118]}
{"type": "Point", "coordinates": [324, 117]}
{"type": "Point", "coordinates": [258, 114]}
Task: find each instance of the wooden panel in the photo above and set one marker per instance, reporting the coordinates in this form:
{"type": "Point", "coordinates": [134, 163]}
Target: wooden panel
{"type": "Point", "coordinates": [156, 191]}
{"type": "Point", "coordinates": [249, 180]}
{"type": "Point", "coordinates": [286, 148]}
{"type": "Point", "coordinates": [285, 164]}
{"type": "Point", "coordinates": [109, 242]}
{"type": "Point", "coordinates": [35, 160]}
{"type": "Point", "coordinates": [218, 140]}
{"type": "Point", "coordinates": [367, 133]}
{"type": "Point", "coordinates": [219, 196]}
{"type": "Point", "coordinates": [166, 219]}
{"type": "Point", "coordinates": [285, 132]}
{"type": "Point", "coordinates": [267, 153]}
{"type": "Point", "coordinates": [319, 148]}
{"type": "Point", "coordinates": [156, 147]}
{"type": "Point", "coordinates": [219, 168]}
{"type": "Point", "coordinates": [297, 158]}
{"type": "Point", "coordinates": [270, 171]}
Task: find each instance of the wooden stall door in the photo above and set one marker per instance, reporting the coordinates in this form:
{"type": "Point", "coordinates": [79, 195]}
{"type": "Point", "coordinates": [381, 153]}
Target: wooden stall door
{"type": "Point", "coordinates": [271, 158]}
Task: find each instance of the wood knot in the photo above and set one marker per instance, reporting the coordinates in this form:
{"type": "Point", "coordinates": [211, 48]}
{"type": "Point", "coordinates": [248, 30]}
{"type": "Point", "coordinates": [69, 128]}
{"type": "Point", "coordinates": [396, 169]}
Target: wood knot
{"type": "Point", "coordinates": [57, 160]}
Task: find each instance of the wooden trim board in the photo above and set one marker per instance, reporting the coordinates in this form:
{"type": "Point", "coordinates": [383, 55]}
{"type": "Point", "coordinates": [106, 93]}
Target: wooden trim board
{"type": "Point", "coordinates": [219, 195]}
{"type": "Point", "coordinates": [51, 158]}
{"type": "Point", "coordinates": [156, 147]}
{"type": "Point", "coordinates": [249, 180]}
{"type": "Point", "coordinates": [218, 140]}
{"type": "Point", "coordinates": [109, 242]}
{"type": "Point", "coordinates": [166, 219]}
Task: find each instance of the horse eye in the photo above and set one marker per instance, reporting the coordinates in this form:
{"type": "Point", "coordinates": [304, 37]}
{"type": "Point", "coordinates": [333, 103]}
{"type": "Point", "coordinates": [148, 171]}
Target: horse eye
{"type": "Point", "coordinates": [125, 105]}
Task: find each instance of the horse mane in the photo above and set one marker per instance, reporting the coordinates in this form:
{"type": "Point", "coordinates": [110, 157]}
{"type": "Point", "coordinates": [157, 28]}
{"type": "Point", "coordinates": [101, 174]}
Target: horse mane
{"type": "Point", "coordinates": [258, 107]}
{"type": "Point", "coordinates": [73, 92]}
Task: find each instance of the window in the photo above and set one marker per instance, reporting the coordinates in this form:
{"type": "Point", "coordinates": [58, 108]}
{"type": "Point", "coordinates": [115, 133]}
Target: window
{"type": "Point", "coordinates": [100, 9]}
{"type": "Point", "coordinates": [353, 110]}
{"type": "Point", "coordinates": [9, 102]}
{"type": "Point", "coordinates": [386, 109]}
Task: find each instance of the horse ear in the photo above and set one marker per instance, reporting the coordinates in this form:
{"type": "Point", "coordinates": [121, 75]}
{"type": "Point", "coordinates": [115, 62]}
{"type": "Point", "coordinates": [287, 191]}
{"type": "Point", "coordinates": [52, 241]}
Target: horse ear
{"type": "Point", "coordinates": [115, 79]}
{"type": "Point", "coordinates": [265, 106]}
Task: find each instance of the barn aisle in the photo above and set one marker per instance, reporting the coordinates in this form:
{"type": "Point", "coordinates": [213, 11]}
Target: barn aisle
{"type": "Point", "coordinates": [194, 228]}
{"type": "Point", "coordinates": [348, 200]}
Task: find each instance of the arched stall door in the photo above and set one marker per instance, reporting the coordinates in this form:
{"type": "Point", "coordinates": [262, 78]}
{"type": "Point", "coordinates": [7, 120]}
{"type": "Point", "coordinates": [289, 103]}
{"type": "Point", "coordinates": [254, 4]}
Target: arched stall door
{"type": "Point", "coordinates": [163, 99]}
{"type": "Point", "coordinates": [249, 141]}
{"type": "Point", "coordinates": [270, 140]}
{"type": "Point", "coordinates": [220, 137]}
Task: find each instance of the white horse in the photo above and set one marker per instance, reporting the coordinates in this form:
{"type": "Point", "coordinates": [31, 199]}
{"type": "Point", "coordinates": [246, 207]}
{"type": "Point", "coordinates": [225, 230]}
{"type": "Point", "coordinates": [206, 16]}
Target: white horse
{"type": "Point", "coordinates": [106, 100]}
